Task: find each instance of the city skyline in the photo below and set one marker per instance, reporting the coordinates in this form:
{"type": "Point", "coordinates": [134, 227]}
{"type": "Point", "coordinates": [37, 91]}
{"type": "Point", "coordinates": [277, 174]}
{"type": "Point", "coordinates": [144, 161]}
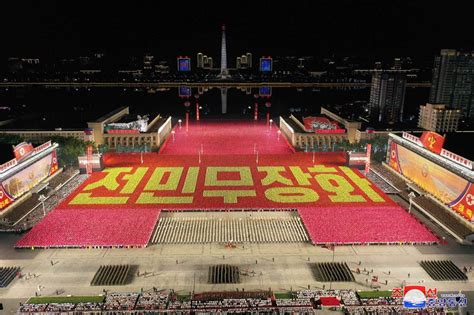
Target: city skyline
{"type": "Point", "coordinates": [367, 29]}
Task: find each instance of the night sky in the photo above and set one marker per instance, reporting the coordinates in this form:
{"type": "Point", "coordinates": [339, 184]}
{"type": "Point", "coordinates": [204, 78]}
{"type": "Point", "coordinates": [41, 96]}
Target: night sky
{"type": "Point", "coordinates": [319, 28]}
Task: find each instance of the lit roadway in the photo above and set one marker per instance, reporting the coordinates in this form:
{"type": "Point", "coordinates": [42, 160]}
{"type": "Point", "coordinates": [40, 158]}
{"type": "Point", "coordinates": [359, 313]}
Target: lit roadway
{"type": "Point", "coordinates": [201, 84]}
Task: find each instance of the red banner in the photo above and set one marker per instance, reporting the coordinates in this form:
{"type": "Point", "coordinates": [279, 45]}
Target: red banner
{"type": "Point", "coordinates": [330, 131]}
{"type": "Point", "coordinates": [432, 141]}
{"type": "Point", "coordinates": [367, 162]}
{"type": "Point", "coordinates": [465, 205]}
{"type": "Point", "coordinates": [5, 199]}
{"type": "Point", "coordinates": [89, 160]}
{"type": "Point", "coordinates": [393, 162]}
{"type": "Point", "coordinates": [123, 131]}
{"type": "Point", "coordinates": [54, 163]}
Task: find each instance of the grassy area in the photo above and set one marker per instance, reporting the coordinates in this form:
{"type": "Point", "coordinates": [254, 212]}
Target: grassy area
{"type": "Point", "coordinates": [65, 299]}
{"type": "Point", "coordinates": [283, 295]}
{"type": "Point", "coordinates": [183, 297]}
{"type": "Point", "coordinates": [374, 294]}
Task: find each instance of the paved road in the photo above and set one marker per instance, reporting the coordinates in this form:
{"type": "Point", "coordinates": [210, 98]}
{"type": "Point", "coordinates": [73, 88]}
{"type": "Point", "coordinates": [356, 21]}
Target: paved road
{"type": "Point", "coordinates": [74, 268]}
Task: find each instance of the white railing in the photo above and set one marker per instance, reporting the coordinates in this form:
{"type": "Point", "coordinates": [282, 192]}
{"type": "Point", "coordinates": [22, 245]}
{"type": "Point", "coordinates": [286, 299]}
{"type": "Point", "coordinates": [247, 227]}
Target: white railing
{"type": "Point", "coordinates": [456, 158]}
{"type": "Point", "coordinates": [8, 165]}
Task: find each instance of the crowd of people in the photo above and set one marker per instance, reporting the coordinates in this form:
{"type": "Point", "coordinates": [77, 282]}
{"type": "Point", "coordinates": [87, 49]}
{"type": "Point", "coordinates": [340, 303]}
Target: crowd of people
{"type": "Point", "coordinates": [231, 302]}
{"type": "Point", "coordinates": [57, 190]}
{"type": "Point", "coordinates": [152, 300]}
{"type": "Point", "coordinates": [394, 180]}
{"type": "Point", "coordinates": [381, 183]}
{"type": "Point", "coordinates": [54, 199]}
{"type": "Point", "coordinates": [347, 297]}
{"type": "Point", "coordinates": [60, 307]}
{"type": "Point", "coordinates": [32, 308]}
{"type": "Point", "coordinates": [120, 301]}
{"type": "Point", "coordinates": [368, 225]}
{"type": "Point", "coordinates": [88, 307]}
{"type": "Point", "coordinates": [92, 227]}
{"type": "Point", "coordinates": [261, 302]}
{"type": "Point", "coordinates": [387, 305]}
{"type": "Point", "coordinates": [252, 229]}
{"type": "Point", "coordinates": [7, 274]}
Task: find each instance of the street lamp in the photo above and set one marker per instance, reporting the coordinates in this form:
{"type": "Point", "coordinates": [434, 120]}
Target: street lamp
{"type": "Point", "coordinates": [179, 123]}
{"type": "Point", "coordinates": [42, 198]}
{"type": "Point", "coordinates": [271, 122]}
{"type": "Point", "coordinates": [411, 196]}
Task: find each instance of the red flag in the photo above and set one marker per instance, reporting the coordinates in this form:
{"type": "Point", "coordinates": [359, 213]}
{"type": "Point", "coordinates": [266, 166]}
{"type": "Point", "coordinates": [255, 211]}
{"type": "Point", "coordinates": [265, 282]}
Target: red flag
{"type": "Point", "coordinates": [432, 141]}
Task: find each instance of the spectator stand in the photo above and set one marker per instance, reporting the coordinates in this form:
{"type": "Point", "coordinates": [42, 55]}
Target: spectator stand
{"type": "Point", "coordinates": [30, 211]}
{"type": "Point", "coordinates": [261, 302]}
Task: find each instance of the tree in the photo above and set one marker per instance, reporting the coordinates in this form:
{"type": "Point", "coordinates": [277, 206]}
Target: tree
{"type": "Point", "coordinates": [10, 138]}
{"type": "Point", "coordinates": [69, 149]}
{"type": "Point", "coordinates": [379, 146]}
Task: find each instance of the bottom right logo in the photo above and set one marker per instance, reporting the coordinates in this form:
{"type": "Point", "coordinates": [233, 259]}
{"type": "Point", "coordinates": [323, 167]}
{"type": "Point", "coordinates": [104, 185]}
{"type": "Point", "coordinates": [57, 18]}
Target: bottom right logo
{"type": "Point", "coordinates": [414, 296]}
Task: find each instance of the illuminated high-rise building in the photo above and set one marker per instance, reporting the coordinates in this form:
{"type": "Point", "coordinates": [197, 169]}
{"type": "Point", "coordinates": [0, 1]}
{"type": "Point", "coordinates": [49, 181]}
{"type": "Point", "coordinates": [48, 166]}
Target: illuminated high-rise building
{"type": "Point", "coordinates": [438, 117]}
{"type": "Point", "coordinates": [397, 64]}
{"type": "Point", "coordinates": [387, 96]}
{"type": "Point", "coordinates": [453, 77]}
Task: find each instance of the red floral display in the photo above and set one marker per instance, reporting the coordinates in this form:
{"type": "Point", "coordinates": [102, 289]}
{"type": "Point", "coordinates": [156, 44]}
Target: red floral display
{"type": "Point", "coordinates": [223, 138]}
{"type": "Point", "coordinates": [363, 225]}
{"type": "Point", "coordinates": [93, 227]}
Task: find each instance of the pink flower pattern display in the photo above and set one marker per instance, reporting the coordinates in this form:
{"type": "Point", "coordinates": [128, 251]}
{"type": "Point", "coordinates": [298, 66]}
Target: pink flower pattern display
{"type": "Point", "coordinates": [92, 227]}
{"type": "Point", "coordinates": [363, 225]}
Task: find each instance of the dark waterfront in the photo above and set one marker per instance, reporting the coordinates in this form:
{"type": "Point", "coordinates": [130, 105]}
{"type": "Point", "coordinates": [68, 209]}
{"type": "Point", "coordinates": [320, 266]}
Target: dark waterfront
{"type": "Point", "coordinates": [71, 108]}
